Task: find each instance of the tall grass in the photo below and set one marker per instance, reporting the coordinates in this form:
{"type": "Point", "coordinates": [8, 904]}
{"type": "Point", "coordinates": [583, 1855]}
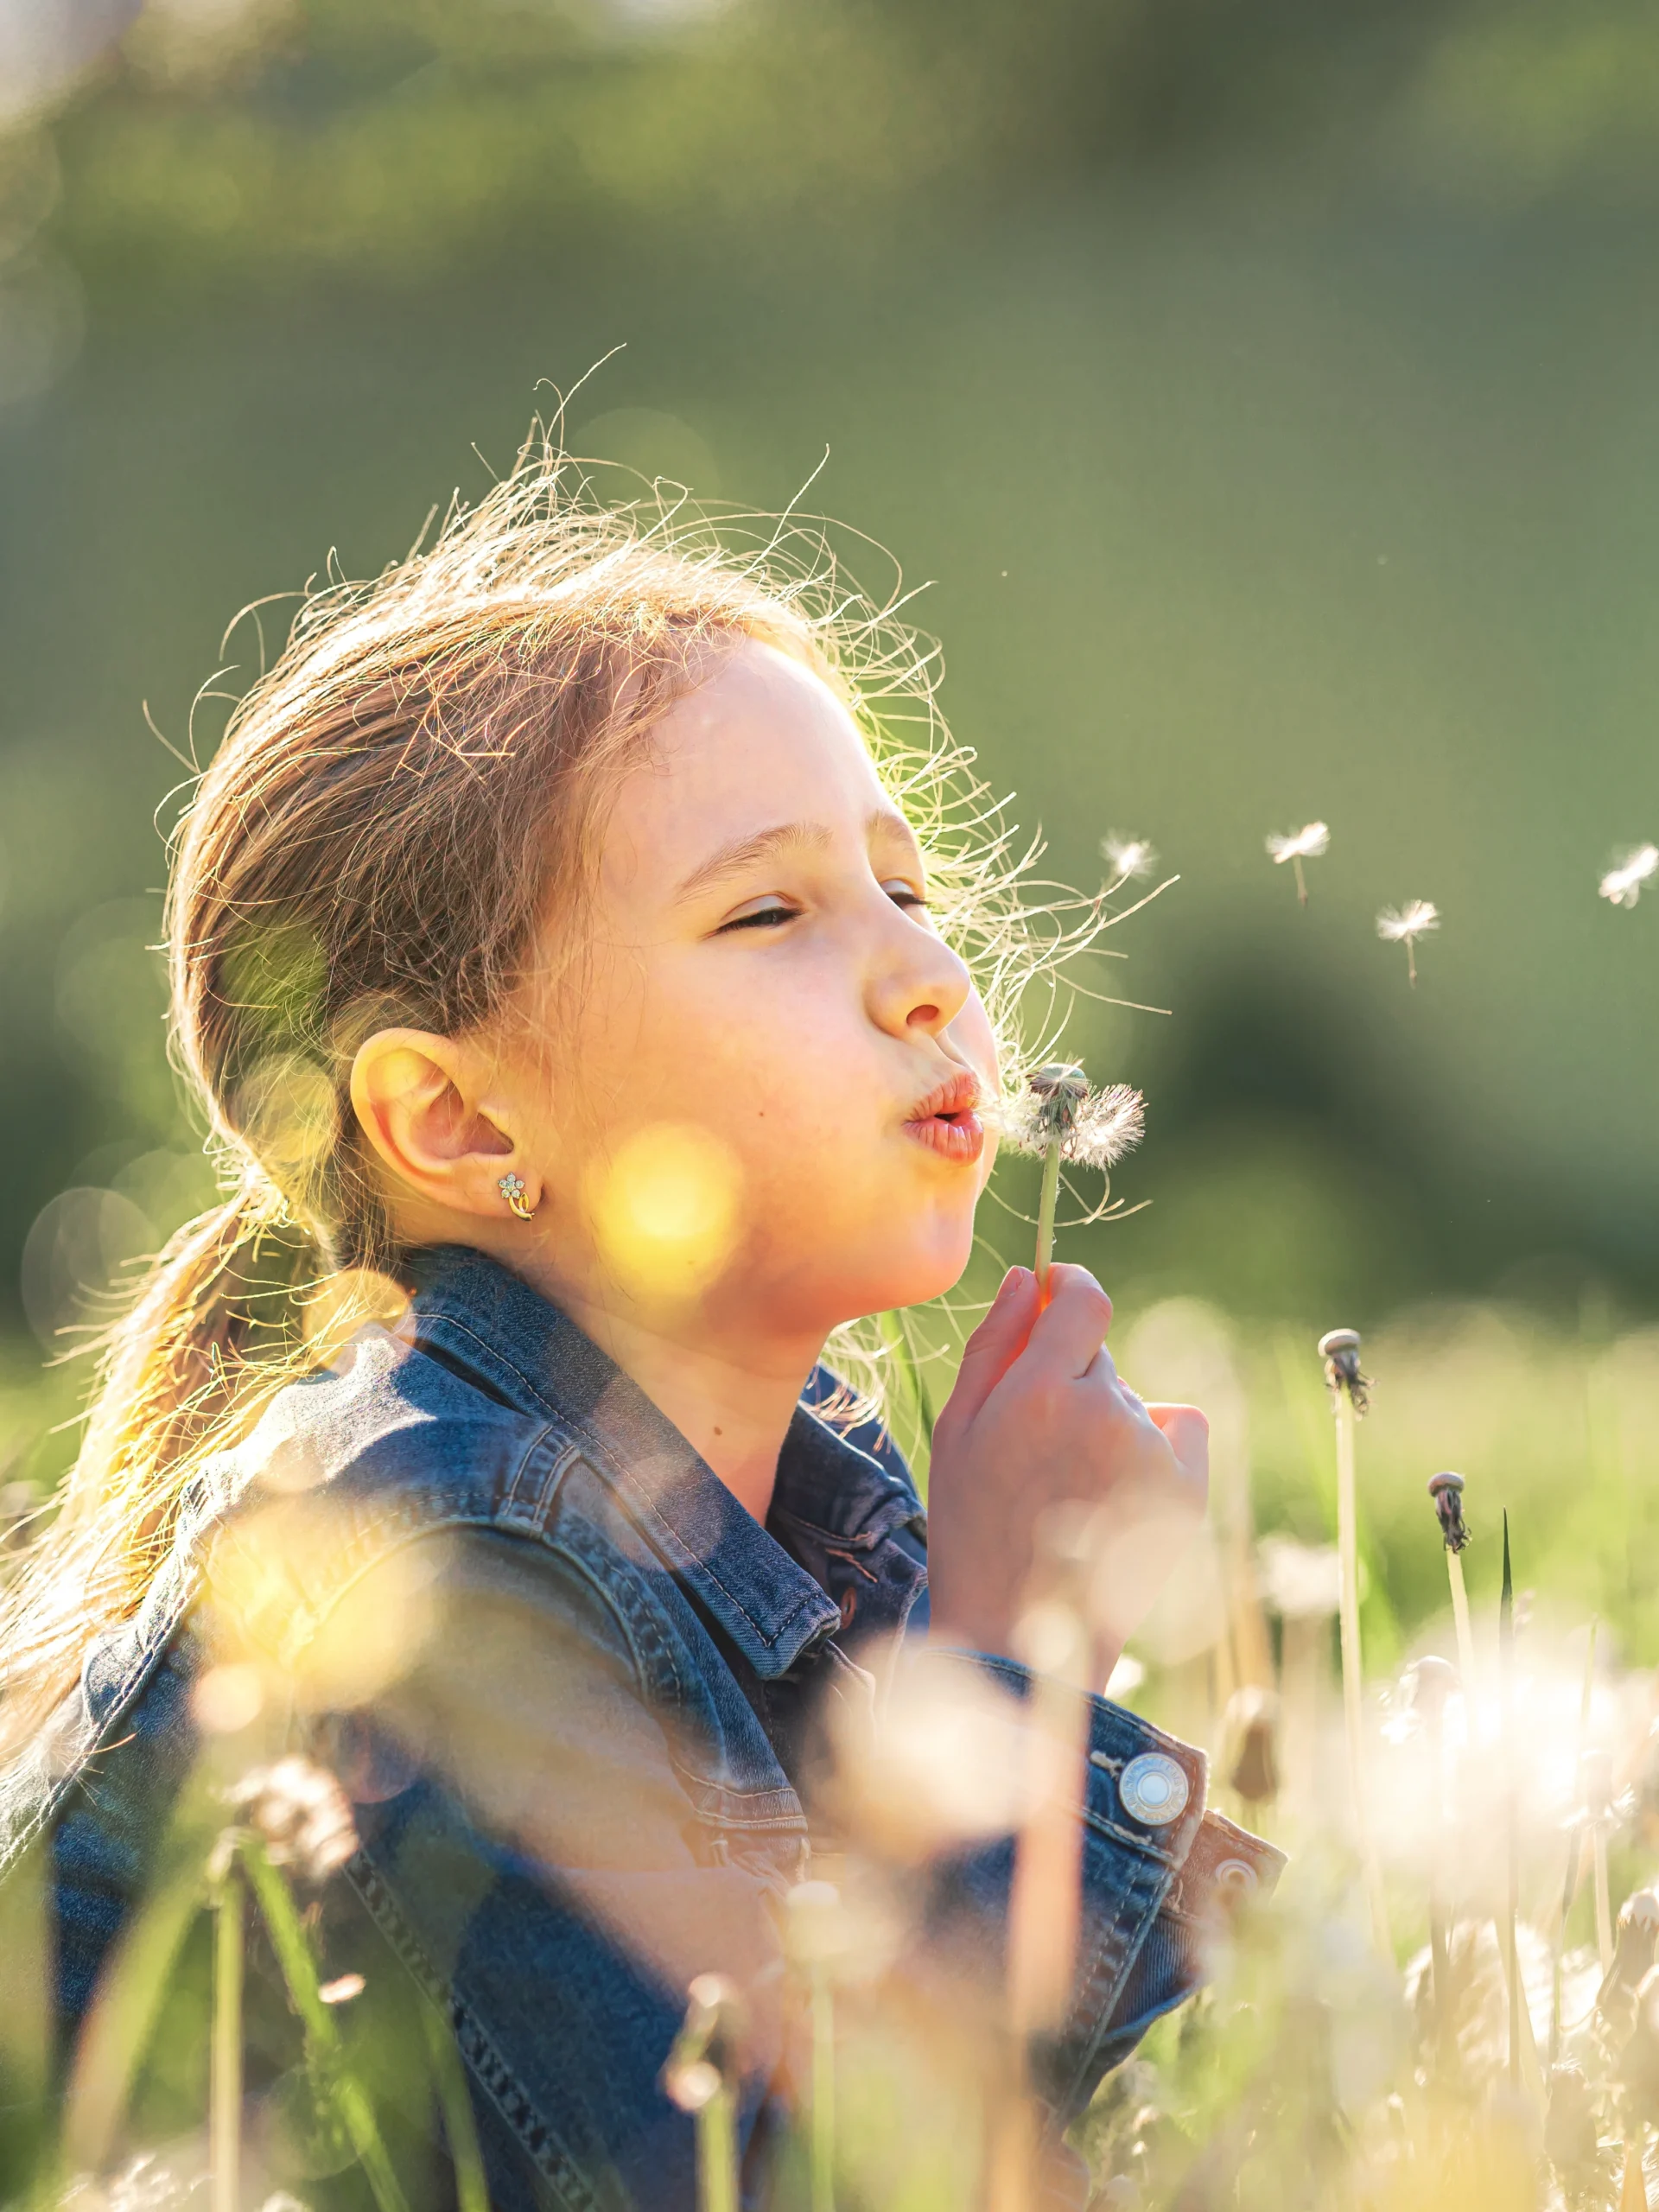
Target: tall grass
{"type": "Point", "coordinates": [1317, 2068]}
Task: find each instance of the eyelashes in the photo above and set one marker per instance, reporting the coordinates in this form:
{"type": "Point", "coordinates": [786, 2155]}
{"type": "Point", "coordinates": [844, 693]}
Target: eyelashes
{"type": "Point", "coordinates": [775, 912]}
{"type": "Point", "coordinates": [762, 917]}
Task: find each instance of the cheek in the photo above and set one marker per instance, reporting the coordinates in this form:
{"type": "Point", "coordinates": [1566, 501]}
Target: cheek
{"type": "Point", "coordinates": [769, 1043]}
{"type": "Point", "coordinates": [973, 1040]}
{"type": "Point", "coordinates": [584, 1055]}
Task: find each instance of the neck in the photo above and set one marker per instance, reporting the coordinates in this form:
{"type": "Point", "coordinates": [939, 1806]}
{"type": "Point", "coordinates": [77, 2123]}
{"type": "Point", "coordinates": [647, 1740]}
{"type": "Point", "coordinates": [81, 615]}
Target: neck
{"type": "Point", "coordinates": [735, 1410]}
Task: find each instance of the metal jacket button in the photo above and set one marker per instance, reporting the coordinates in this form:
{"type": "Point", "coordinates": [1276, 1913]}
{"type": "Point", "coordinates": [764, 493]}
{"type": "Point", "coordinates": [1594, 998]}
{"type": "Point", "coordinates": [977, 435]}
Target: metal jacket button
{"type": "Point", "coordinates": [1236, 1878]}
{"type": "Point", "coordinates": [1154, 1788]}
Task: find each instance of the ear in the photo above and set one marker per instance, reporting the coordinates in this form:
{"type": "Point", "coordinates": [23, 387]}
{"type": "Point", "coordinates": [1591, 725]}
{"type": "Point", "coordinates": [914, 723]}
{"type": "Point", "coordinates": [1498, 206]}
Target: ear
{"type": "Point", "coordinates": [422, 1101]}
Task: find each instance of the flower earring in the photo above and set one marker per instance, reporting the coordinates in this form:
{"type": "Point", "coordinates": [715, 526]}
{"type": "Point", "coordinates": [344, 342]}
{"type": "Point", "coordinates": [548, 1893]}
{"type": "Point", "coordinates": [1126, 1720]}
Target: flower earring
{"type": "Point", "coordinates": [512, 1188]}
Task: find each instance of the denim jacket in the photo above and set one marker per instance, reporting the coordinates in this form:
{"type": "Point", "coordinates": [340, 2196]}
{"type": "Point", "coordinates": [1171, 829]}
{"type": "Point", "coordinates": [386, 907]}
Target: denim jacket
{"type": "Point", "coordinates": [571, 1685]}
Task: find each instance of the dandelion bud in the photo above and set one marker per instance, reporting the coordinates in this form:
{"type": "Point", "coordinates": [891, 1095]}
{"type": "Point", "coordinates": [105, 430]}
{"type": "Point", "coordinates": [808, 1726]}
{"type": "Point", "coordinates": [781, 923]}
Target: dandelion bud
{"type": "Point", "coordinates": [1339, 1350]}
{"type": "Point", "coordinates": [1446, 1490]}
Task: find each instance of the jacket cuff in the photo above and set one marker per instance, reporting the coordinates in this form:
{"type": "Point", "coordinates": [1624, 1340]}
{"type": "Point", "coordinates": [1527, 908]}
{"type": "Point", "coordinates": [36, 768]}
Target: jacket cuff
{"type": "Point", "coordinates": [1145, 1806]}
{"type": "Point", "coordinates": [1162, 1881]}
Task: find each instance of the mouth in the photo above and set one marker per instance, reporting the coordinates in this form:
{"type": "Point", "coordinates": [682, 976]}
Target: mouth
{"type": "Point", "coordinates": [946, 1120]}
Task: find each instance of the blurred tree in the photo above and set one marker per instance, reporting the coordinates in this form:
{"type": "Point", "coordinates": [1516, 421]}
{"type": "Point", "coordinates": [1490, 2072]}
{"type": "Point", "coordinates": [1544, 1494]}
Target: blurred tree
{"type": "Point", "coordinates": [257, 142]}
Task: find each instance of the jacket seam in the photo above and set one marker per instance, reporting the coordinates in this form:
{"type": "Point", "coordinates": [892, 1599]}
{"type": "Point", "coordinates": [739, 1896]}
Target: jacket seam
{"type": "Point", "coordinates": [562, 2169]}
{"type": "Point", "coordinates": [1096, 2005]}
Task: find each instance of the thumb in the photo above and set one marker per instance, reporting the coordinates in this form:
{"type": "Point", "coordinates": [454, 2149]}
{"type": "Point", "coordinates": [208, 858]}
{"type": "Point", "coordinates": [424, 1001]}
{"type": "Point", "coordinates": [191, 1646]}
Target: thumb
{"type": "Point", "coordinates": [996, 1343]}
{"type": "Point", "coordinates": [1187, 1430]}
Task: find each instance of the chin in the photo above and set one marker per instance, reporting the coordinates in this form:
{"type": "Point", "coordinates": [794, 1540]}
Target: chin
{"type": "Point", "coordinates": [912, 1278]}
{"type": "Point", "coordinates": [808, 1274]}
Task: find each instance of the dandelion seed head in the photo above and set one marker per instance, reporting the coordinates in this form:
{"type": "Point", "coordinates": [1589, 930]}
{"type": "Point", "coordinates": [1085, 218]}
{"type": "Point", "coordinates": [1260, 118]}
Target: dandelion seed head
{"type": "Point", "coordinates": [1306, 843]}
{"type": "Point", "coordinates": [1053, 1098]}
{"type": "Point", "coordinates": [1399, 924]}
{"type": "Point", "coordinates": [1095, 1128]}
{"type": "Point", "coordinates": [302, 1814]}
{"type": "Point", "coordinates": [1111, 1124]}
{"type": "Point", "coordinates": [1127, 857]}
{"type": "Point", "coordinates": [1623, 882]}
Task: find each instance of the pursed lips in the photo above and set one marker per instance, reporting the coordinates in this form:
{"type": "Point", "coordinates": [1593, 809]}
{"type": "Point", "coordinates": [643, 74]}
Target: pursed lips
{"type": "Point", "coordinates": [946, 1120]}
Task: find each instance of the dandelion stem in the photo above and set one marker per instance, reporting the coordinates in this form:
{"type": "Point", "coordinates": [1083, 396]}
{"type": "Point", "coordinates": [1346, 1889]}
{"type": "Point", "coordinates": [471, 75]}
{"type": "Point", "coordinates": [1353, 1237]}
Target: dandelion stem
{"type": "Point", "coordinates": [224, 2122]}
{"type": "Point", "coordinates": [123, 2016]}
{"type": "Point", "coordinates": [716, 2125]}
{"type": "Point", "coordinates": [1045, 1896]}
{"type": "Point", "coordinates": [813, 1928]}
{"type": "Point", "coordinates": [1348, 1615]}
{"type": "Point", "coordinates": [1574, 1854]}
{"type": "Point", "coordinates": [1633, 2187]}
{"type": "Point", "coordinates": [823, 2090]}
{"type": "Point", "coordinates": [1465, 1632]}
{"type": "Point", "coordinates": [1512, 1836]}
{"type": "Point", "coordinates": [1301, 880]}
{"type": "Point", "coordinates": [1434, 1682]}
{"type": "Point", "coordinates": [1044, 1905]}
{"type": "Point", "coordinates": [454, 2100]}
{"type": "Point", "coordinates": [1604, 1902]}
{"type": "Point", "coordinates": [292, 1949]}
{"type": "Point", "coordinates": [1046, 1205]}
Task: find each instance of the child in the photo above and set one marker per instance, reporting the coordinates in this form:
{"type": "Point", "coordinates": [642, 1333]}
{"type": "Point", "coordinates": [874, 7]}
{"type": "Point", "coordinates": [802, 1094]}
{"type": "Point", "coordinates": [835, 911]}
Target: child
{"type": "Point", "coordinates": [556, 954]}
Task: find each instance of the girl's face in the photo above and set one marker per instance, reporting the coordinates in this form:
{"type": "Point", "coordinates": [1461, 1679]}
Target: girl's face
{"type": "Point", "coordinates": [758, 1101]}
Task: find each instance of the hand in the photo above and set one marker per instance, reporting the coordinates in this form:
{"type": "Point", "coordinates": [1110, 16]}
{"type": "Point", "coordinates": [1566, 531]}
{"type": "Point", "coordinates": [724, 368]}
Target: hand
{"type": "Point", "coordinates": [1038, 1419]}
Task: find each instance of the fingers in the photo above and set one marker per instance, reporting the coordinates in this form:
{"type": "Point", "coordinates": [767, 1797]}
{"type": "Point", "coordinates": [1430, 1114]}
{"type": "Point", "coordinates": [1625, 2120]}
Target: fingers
{"type": "Point", "coordinates": [1073, 1326]}
{"type": "Point", "coordinates": [1187, 1430]}
{"type": "Point", "coordinates": [997, 1342]}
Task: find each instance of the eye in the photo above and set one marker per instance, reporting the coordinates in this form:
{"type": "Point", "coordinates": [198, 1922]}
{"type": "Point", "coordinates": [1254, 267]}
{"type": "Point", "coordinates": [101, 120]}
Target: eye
{"type": "Point", "coordinates": [903, 894]}
{"type": "Point", "coordinates": [768, 914]}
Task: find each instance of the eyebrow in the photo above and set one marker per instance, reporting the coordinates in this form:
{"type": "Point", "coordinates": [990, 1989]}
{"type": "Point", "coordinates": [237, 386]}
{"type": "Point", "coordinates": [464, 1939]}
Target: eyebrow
{"type": "Point", "coordinates": [786, 836]}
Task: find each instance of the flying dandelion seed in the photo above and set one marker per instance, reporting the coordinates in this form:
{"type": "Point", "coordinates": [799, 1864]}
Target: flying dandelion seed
{"type": "Point", "coordinates": [1061, 1118]}
{"type": "Point", "coordinates": [1405, 925]}
{"type": "Point", "coordinates": [1127, 857]}
{"type": "Point", "coordinates": [1622, 885]}
{"type": "Point", "coordinates": [1310, 842]}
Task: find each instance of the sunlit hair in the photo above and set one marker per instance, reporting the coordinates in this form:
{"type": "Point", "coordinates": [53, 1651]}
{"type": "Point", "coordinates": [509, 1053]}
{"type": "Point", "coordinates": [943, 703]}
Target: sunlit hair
{"type": "Point", "coordinates": [403, 812]}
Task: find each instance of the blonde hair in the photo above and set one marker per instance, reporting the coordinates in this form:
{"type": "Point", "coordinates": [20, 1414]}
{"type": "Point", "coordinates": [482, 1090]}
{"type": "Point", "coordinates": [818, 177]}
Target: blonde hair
{"type": "Point", "coordinates": [393, 810]}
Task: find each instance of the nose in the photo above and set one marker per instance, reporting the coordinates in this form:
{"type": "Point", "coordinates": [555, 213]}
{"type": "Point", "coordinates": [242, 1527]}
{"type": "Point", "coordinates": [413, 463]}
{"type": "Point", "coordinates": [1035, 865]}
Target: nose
{"type": "Point", "coordinates": [916, 984]}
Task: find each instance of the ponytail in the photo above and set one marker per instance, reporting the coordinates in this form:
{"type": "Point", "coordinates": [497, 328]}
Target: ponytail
{"type": "Point", "coordinates": [211, 1335]}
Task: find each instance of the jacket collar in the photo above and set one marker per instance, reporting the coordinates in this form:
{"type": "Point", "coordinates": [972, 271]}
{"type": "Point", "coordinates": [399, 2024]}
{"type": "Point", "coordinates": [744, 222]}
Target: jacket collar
{"type": "Point", "coordinates": [521, 1348]}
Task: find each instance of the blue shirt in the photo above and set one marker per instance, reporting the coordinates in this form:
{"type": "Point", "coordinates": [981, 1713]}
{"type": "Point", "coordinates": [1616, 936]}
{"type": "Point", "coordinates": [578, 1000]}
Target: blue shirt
{"type": "Point", "coordinates": [576, 1692]}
